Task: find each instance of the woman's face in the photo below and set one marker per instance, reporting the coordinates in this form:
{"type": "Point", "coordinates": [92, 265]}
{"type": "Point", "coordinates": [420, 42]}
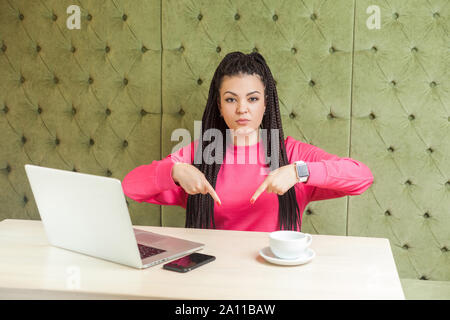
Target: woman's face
{"type": "Point", "coordinates": [242, 97]}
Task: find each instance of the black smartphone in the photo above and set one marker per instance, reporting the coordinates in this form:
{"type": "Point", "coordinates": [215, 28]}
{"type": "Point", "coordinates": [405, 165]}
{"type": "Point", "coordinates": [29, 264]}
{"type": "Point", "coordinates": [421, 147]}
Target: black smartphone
{"type": "Point", "coordinates": [189, 262]}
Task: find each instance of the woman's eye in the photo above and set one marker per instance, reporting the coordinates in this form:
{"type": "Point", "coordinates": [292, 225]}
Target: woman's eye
{"type": "Point", "coordinates": [256, 99]}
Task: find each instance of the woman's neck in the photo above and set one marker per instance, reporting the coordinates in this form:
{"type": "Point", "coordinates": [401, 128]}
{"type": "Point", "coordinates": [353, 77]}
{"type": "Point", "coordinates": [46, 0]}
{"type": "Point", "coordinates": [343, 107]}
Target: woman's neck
{"type": "Point", "coordinates": [247, 140]}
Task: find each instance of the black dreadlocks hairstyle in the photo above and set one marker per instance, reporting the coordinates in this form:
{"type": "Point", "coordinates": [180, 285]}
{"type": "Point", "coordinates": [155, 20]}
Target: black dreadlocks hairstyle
{"type": "Point", "coordinates": [200, 207]}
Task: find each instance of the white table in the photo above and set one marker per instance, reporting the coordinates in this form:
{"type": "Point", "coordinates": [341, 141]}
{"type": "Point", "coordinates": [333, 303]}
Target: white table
{"type": "Point", "coordinates": [344, 268]}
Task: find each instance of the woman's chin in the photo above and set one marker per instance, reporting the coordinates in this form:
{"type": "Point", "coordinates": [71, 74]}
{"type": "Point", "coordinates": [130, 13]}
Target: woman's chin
{"type": "Point", "coordinates": [243, 131]}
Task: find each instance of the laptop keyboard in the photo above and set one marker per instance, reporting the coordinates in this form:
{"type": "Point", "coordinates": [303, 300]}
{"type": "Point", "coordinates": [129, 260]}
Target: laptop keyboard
{"type": "Point", "coordinates": [146, 251]}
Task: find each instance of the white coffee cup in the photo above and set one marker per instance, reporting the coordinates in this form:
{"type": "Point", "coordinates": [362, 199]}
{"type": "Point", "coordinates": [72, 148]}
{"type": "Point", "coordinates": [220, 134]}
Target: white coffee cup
{"type": "Point", "coordinates": [287, 244]}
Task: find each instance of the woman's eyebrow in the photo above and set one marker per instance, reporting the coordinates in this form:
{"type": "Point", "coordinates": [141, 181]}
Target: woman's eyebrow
{"type": "Point", "coordinates": [234, 94]}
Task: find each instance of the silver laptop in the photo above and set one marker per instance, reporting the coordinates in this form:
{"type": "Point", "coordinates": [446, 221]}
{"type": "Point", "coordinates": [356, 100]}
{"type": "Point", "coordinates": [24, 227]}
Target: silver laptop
{"type": "Point", "coordinates": [88, 214]}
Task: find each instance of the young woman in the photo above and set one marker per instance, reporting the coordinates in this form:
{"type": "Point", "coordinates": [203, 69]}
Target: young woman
{"type": "Point", "coordinates": [234, 192]}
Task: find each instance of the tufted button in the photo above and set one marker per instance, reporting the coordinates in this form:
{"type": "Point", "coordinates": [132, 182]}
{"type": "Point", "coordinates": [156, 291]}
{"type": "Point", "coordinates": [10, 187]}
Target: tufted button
{"type": "Point", "coordinates": [332, 50]}
{"type": "Point", "coordinates": [423, 278]}
{"type": "Point", "coordinates": [199, 81]}
{"type": "Point", "coordinates": [395, 15]}
{"type": "Point", "coordinates": [274, 17]}
{"type": "Point", "coordinates": [181, 49]}
{"type": "Point", "coordinates": [448, 183]}
{"type": "Point", "coordinates": [108, 111]}
{"type": "Point", "coordinates": [405, 246]}
{"type": "Point", "coordinates": [426, 215]}
{"type": "Point", "coordinates": [143, 112]}
{"type": "Point", "coordinates": [387, 213]}
{"type": "Point", "coordinates": [372, 116]}
{"type": "Point", "coordinates": [107, 49]}
{"type": "Point", "coordinates": [24, 140]}
{"type": "Point", "coordinates": [74, 111]}
{"type": "Point", "coordinates": [408, 182]}
{"type": "Point", "coordinates": [374, 49]}
{"type": "Point", "coordinates": [331, 116]}
{"type": "Point", "coordinates": [124, 17]}
{"type": "Point", "coordinates": [391, 149]}
{"type": "Point", "coordinates": [393, 83]}
{"type": "Point", "coordinates": [181, 112]}
{"type": "Point", "coordinates": [108, 173]}
{"type": "Point", "coordinates": [313, 16]}
{"type": "Point", "coordinates": [57, 141]}
{"type": "Point", "coordinates": [91, 141]}
{"type": "Point", "coordinates": [22, 79]}
{"type": "Point", "coordinates": [237, 16]}
{"type": "Point", "coordinates": [125, 81]}
{"type": "Point", "coordinates": [5, 109]}
{"type": "Point", "coordinates": [89, 17]}
{"type": "Point", "coordinates": [293, 50]}
{"type": "Point", "coordinates": [8, 168]}
{"type": "Point", "coordinates": [436, 15]}
{"type": "Point", "coordinates": [21, 17]}
{"type": "Point", "coordinates": [25, 199]}
{"type": "Point", "coordinates": [73, 49]}
{"type": "Point", "coordinates": [311, 83]}
{"type": "Point", "coordinates": [144, 49]}
{"type": "Point", "coordinates": [4, 47]}
{"type": "Point", "coordinates": [200, 17]}
{"type": "Point", "coordinates": [432, 84]}
{"type": "Point", "coordinates": [218, 49]}
{"type": "Point", "coordinates": [125, 143]}
{"type": "Point", "coordinates": [414, 49]}
{"type": "Point", "coordinates": [309, 211]}
{"type": "Point", "coordinates": [90, 80]}
{"type": "Point", "coordinates": [411, 117]}
{"type": "Point", "coordinates": [39, 110]}
{"type": "Point", "coordinates": [430, 150]}
{"type": "Point", "coordinates": [54, 17]}
{"type": "Point", "coordinates": [292, 115]}
{"type": "Point", "coordinates": [74, 169]}
{"type": "Point", "coordinates": [55, 80]}
{"type": "Point", "coordinates": [38, 48]}
{"type": "Point", "coordinates": [444, 249]}
{"type": "Point", "coordinates": [255, 49]}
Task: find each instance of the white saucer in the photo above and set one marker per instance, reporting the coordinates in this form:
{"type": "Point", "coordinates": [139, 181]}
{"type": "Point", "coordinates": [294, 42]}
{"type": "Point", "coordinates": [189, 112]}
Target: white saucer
{"type": "Point", "coordinates": [267, 254]}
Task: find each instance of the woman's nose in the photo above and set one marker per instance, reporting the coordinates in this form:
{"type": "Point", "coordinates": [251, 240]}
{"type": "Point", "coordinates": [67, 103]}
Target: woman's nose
{"type": "Point", "coordinates": [242, 108]}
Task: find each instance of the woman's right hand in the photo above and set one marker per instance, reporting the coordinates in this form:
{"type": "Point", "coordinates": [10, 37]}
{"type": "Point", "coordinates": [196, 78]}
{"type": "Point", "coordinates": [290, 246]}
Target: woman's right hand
{"type": "Point", "coordinates": [192, 180]}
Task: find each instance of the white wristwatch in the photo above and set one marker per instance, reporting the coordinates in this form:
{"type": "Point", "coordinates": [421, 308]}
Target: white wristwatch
{"type": "Point", "coordinates": [301, 169]}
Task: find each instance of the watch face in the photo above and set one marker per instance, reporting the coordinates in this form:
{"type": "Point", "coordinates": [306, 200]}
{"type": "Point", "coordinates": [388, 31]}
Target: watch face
{"type": "Point", "coordinates": [302, 170]}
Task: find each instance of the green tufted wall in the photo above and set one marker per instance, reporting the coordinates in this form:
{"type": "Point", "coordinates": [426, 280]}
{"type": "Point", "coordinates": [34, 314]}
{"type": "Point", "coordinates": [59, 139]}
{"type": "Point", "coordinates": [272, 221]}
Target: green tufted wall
{"type": "Point", "coordinates": [400, 125]}
{"type": "Point", "coordinates": [105, 99]}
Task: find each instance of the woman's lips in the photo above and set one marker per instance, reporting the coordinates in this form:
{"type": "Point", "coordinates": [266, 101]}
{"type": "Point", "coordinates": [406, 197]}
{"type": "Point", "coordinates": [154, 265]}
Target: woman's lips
{"type": "Point", "coordinates": [242, 121]}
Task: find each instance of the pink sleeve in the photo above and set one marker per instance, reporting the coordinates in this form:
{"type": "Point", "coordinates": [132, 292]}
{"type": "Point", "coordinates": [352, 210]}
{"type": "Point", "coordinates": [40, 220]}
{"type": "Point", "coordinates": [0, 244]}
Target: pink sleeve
{"type": "Point", "coordinates": [329, 175]}
{"type": "Point", "coordinates": [153, 182]}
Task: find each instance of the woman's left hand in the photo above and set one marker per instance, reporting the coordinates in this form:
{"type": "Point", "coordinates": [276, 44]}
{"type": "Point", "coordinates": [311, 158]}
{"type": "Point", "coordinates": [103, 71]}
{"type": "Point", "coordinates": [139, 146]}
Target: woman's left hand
{"type": "Point", "coordinates": [278, 181]}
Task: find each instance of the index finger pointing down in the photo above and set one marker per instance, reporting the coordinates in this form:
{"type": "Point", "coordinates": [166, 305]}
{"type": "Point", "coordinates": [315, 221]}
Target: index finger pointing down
{"type": "Point", "coordinates": [258, 191]}
{"type": "Point", "coordinates": [213, 193]}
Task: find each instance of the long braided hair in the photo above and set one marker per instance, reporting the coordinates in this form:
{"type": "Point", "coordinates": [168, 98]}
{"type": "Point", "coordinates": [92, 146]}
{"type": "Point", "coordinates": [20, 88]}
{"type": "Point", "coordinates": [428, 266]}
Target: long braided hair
{"type": "Point", "coordinates": [200, 207]}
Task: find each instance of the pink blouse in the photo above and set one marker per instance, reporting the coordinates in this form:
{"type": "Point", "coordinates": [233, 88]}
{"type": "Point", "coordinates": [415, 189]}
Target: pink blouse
{"type": "Point", "coordinates": [241, 174]}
